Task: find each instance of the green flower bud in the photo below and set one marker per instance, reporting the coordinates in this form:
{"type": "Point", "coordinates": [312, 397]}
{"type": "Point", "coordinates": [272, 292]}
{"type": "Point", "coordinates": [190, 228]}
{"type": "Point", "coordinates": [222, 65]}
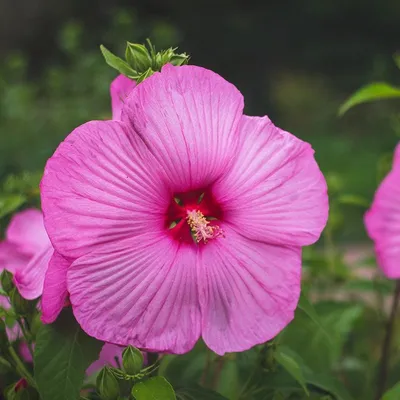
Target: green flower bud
{"type": "Point", "coordinates": [179, 59]}
{"type": "Point", "coordinates": [268, 356]}
{"type": "Point", "coordinates": [20, 305]}
{"type": "Point", "coordinates": [132, 360]}
{"type": "Point", "coordinates": [107, 385]}
{"type": "Point", "coordinates": [6, 281]}
{"type": "Point", "coordinates": [145, 75]}
{"type": "Point", "coordinates": [138, 57]}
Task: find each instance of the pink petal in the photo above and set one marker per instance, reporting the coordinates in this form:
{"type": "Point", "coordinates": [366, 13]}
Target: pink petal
{"type": "Point", "coordinates": [29, 279]}
{"type": "Point", "coordinates": [120, 88]}
{"type": "Point", "coordinates": [26, 230]}
{"type": "Point", "coordinates": [25, 353]}
{"type": "Point", "coordinates": [188, 117]}
{"type": "Point", "coordinates": [248, 291]}
{"type": "Point", "coordinates": [382, 221]}
{"type": "Point", "coordinates": [55, 288]}
{"type": "Point", "coordinates": [141, 292]}
{"type": "Point", "coordinates": [275, 191]}
{"type": "Point", "coordinates": [107, 357]}
{"type": "Point", "coordinates": [101, 185]}
{"type": "Point", "coordinates": [11, 258]}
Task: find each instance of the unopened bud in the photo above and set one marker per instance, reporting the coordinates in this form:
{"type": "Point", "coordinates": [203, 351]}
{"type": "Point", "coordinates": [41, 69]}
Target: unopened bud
{"type": "Point", "coordinates": [132, 360]}
{"type": "Point", "coordinates": [268, 356]}
{"type": "Point", "coordinates": [107, 385]}
{"type": "Point", "coordinates": [6, 281]}
{"type": "Point", "coordinates": [20, 305]}
{"type": "Point", "coordinates": [138, 57]}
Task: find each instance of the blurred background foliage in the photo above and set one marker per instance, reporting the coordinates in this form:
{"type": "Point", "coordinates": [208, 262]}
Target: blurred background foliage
{"type": "Point", "coordinates": [294, 61]}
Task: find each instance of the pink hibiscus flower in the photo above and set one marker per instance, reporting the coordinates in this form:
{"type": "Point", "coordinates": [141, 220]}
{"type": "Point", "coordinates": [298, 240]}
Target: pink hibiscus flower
{"type": "Point", "coordinates": [382, 221]}
{"type": "Point", "coordinates": [120, 88]}
{"type": "Point", "coordinates": [185, 219]}
{"type": "Point", "coordinates": [26, 252]}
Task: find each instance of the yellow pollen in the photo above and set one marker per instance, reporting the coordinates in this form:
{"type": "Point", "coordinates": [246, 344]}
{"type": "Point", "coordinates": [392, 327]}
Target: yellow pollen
{"type": "Point", "coordinates": [201, 228]}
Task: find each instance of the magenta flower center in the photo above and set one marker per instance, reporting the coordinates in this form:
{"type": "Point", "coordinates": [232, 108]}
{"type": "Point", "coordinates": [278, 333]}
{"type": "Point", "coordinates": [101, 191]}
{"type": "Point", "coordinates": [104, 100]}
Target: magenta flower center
{"type": "Point", "coordinates": [193, 216]}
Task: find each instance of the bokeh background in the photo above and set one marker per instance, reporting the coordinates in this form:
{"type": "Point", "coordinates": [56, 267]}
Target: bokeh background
{"type": "Point", "coordinates": [295, 61]}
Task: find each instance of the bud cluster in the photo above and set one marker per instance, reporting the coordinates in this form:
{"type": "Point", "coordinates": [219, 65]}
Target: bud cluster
{"type": "Point", "coordinates": [142, 61]}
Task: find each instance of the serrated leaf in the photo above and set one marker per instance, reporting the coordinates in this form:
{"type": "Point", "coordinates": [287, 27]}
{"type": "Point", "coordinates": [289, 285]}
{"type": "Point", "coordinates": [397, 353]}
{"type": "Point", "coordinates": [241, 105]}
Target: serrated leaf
{"type": "Point", "coordinates": [9, 203]}
{"type": "Point", "coordinates": [393, 393]}
{"type": "Point", "coordinates": [117, 63]}
{"type": "Point", "coordinates": [371, 92]}
{"type": "Point", "coordinates": [292, 367]}
{"type": "Point", "coordinates": [197, 392]}
{"type": "Point", "coordinates": [157, 388]}
{"type": "Point", "coordinates": [63, 352]}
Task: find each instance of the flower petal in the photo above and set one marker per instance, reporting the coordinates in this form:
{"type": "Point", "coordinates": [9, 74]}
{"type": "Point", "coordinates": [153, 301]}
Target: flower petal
{"type": "Point", "coordinates": [188, 117]}
{"type": "Point", "coordinates": [382, 221]}
{"type": "Point", "coordinates": [27, 231]}
{"type": "Point", "coordinates": [249, 291]}
{"type": "Point", "coordinates": [101, 185]}
{"type": "Point", "coordinates": [120, 88]}
{"type": "Point", "coordinates": [11, 258]}
{"type": "Point", "coordinates": [141, 292]}
{"type": "Point", "coordinates": [275, 191]}
{"type": "Point", "coordinates": [29, 279]}
{"type": "Point", "coordinates": [55, 288]}
{"type": "Point", "coordinates": [107, 356]}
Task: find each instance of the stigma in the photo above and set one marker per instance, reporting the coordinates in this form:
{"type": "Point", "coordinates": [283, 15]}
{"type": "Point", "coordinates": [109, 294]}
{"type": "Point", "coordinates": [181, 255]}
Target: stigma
{"type": "Point", "coordinates": [201, 228]}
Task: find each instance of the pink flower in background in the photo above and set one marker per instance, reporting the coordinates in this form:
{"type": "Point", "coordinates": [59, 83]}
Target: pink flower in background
{"type": "Point", "coordinates": [120, 88]}
{"type": "Point", "coordinates": [185, 219]}
{"type": "Point", "coordinates": [383, 221]}
{"type": "Point", "coordinates": [26, 252]}
{"type": "Point", "coordinates": [107, 356]}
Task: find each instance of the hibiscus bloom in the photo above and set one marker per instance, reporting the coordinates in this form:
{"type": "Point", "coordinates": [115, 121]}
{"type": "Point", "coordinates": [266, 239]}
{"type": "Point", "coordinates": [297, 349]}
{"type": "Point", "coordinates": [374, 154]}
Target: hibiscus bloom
{"type": "Point", "coordinates": [185, 219]}
{"type": "Point", "coordinates": [26, 252]}
{"type": "Point", "coordinates": [120, 88]}
{"type": "Point", "coordinates": [382, 221]}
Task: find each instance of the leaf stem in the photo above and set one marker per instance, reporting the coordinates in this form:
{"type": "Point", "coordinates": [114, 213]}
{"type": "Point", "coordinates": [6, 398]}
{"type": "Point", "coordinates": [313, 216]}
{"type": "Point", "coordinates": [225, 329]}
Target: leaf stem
{"type": "Point", "coordinates": [27, 336]}
{"type": "Point", "coordinates": [383, 371]}
{"type": "Point", "coordinates": [21, 369]}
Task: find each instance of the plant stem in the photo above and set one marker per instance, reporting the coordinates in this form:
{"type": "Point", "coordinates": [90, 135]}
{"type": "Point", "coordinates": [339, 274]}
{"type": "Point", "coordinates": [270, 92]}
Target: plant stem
{"type": "Point", "coordinates": [382, 377]}
{"type": "Point", "coordinates": [21, 369]}
{"type": "Point", "coordinates": [27, 336]}
{"type": "Point", "coordinates": [218, 370]}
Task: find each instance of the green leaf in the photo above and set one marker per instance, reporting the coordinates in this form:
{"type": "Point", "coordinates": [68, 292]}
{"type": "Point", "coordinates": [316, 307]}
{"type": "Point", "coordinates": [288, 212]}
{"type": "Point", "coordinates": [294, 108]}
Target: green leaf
{"type": "Point", "coordinates": [353, 200]}
{"type": "Point", "coordinates": [63, 352]}
{"type": "Point", "coordinates": [9, 203]}
{"type": "Point", "coordinates": [157, 388]}
{"type": "Point", "coordinates": [197, 392]}
{"type": "Point", "coordinates": [328, 384]}
{"type": "Point", "coordinates": [393, 393]}
{"type": "Point", "coordinates": [117, 63]}
{"type": "Point", "coordinates": [371, 92]}
{"type": "Point", "coordinates": [309, 310]}
{"type": "Point", "coordinates": [291, 366]}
